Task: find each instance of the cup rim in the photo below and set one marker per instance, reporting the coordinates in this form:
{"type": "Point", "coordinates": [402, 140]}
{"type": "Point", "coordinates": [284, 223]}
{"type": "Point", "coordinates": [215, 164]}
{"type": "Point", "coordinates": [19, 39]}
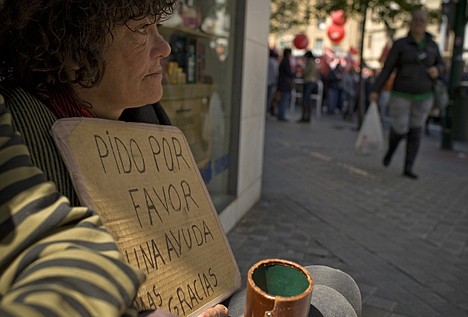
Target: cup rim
{"type": "Point", "coordinates": [285, 263]}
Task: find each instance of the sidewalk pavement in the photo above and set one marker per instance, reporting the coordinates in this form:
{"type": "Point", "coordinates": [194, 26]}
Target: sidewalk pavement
{"type": "Point", "coordinates": [405, 242]}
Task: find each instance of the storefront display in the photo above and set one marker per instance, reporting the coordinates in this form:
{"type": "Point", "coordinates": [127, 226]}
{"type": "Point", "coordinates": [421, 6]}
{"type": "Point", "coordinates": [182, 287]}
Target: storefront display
{"type": "Point", "coordinates": [198, 87]}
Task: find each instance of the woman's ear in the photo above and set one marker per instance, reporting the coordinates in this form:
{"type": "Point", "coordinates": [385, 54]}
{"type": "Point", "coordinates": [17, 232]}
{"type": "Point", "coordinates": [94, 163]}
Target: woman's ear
{"type": "Point", "coordinates": [71, 67]}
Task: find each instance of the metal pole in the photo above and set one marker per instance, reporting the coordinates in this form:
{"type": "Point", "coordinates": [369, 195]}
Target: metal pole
{"type": "Point", "coordinates": [455, 72]}
{"type": "Point", "coordinates": [362, 92]}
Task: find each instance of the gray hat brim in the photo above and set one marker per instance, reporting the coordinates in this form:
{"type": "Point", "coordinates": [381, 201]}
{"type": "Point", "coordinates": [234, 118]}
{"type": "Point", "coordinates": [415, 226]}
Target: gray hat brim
{"type": "Point", "coordinates": [335, 294]}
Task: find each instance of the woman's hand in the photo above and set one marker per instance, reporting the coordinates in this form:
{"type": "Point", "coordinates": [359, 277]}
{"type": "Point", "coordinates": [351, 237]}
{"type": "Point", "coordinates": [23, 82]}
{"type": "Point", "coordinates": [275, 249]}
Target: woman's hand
{"type": "Point", "coordinates": [433, 72]}
{"type": "Point", "coordinates": [217, 311]}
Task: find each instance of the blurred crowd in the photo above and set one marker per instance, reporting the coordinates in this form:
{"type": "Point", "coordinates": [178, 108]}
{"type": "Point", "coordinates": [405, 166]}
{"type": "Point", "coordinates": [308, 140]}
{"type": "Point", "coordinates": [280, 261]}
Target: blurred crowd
{"type": "Point", "coordinates": [339, 77]}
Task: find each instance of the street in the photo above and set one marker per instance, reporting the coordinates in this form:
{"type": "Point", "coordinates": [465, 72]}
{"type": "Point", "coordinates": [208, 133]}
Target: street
{"type": "Point", "coordinates": [404, 241]}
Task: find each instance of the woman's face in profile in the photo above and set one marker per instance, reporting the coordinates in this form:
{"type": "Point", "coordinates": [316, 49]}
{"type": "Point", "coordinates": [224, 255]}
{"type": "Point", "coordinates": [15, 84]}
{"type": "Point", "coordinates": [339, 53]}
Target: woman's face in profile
{"type": "Point", "coordinates": [133, 72]}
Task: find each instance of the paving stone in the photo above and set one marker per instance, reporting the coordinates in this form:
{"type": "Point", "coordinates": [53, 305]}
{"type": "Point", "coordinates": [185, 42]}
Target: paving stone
{"type": "Point", "coordinates": [371, 311]}
{"type": "Point", "coordinates": [403, 241]}
{"type": "Point", "coordinates": [381, 303]}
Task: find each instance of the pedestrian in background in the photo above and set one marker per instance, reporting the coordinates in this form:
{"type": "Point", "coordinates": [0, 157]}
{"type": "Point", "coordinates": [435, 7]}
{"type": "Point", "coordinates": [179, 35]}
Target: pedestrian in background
{"type": "Point", "coordinates": [385, 94]}
{"type": "Point", "coordinates": [285, 83]}
{"type": "Point", "coordinates": [272, 78]}
{"type": "Point", "coordinates": [350, 84]}
{"type": "Point", "coordinates": [334, 88]}
{"type": "Point", "coordinates": [465, 72]}
{"type": "Point", "coordinates": [417, 64]}
{"type": "Point", "coordinates": [310, 75]}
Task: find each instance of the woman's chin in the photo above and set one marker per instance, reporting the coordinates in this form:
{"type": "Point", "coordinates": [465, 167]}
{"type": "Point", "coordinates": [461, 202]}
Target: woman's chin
{"type": "Point", "coordinates": [156, 98]}
{"type": "Point", "coordinates": [152, 99]}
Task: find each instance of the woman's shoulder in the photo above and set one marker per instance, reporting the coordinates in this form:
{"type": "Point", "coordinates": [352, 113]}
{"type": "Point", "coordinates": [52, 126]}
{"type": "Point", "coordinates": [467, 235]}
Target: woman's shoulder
{"type": "Point", "coordinates": [403, 41]}
{"type": "Point", "coordinates": [16, 96]}
{"type": "Point", "coordinates": [33, 119]}
{"type": "Point", "coordinates": [431, 41]}
{"type": "Point", "coordinates": [26, 108]}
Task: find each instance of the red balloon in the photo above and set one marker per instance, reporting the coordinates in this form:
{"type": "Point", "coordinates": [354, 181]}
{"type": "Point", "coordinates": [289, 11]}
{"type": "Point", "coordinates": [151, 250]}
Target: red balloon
{"type": "Point", "coordinates": [301, 41]}
{"type": "Point", "coordinates": [336, 33]}
{"type": "Point", "coordinates": [338, 17]}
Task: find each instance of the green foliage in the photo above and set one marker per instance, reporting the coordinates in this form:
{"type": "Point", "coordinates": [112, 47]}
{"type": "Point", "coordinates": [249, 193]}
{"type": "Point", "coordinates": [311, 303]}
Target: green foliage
{"type": "Point", "coordinates": [291, 14]}
{"type": "Point", "coordinates": [287, 15]}
{"type": "Point", "coordinates": [393, 14]}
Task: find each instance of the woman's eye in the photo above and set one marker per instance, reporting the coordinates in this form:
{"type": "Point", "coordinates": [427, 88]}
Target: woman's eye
{"type": "Point", "coordinates": [143, 29]}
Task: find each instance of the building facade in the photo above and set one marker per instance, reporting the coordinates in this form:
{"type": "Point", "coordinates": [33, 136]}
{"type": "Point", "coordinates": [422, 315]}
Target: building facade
{"type": "Point", "coordinates": [214, 91]}
{"type": "Point", "coordinates": [215, 88]}
{"type": "Point", "coordinates": [375, 37]}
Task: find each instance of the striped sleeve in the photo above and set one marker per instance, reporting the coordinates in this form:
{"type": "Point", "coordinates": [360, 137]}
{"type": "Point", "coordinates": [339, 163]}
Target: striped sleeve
{"type": "Point", "coordinates": [54, 260]}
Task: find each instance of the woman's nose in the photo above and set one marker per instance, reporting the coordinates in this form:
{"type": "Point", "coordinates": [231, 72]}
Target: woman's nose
{"type": "Point", "coordinates": [160, 48]}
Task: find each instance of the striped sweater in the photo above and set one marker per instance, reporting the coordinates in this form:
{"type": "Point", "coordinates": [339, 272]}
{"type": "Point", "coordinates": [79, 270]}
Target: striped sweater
{"type": "Point", "coordinates": [54, 260]}
{"type": "Point", "coordinates": [33, 120]}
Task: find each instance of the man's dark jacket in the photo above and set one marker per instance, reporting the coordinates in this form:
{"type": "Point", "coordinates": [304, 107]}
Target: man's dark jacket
{"type": "Point", "coordinates": [285, 75]}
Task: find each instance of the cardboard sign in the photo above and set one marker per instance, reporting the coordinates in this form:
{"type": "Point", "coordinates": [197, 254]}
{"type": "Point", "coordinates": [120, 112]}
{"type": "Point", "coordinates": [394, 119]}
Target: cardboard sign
{"type": "Point", "coordinates": [144, 183]}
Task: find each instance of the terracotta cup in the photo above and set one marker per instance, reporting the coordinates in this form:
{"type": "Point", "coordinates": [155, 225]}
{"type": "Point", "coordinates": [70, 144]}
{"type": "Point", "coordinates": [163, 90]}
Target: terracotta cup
{"type": "Point", "coordinates": [278, 288]}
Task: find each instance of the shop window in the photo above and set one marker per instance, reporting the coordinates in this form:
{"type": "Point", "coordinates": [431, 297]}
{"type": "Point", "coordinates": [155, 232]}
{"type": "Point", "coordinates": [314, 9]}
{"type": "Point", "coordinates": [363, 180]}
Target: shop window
{"type": "Point", "coordinates": [198, 87]}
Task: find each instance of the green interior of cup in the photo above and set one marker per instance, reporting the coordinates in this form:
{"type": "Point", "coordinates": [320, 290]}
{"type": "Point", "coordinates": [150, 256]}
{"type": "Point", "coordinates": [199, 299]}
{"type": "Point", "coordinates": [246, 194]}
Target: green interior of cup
{"type": "Point", "coordinates": [280, 280]}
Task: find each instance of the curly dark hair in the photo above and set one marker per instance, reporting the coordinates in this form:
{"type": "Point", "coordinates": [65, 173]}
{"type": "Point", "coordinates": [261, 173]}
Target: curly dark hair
{"type": "Point", "coordinates": [41, 40]}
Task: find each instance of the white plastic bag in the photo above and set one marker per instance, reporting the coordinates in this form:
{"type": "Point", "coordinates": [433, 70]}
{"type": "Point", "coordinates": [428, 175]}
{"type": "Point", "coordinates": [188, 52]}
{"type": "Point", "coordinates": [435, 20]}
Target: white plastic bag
{"type": "Point", "coordinates": [370, 136]}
